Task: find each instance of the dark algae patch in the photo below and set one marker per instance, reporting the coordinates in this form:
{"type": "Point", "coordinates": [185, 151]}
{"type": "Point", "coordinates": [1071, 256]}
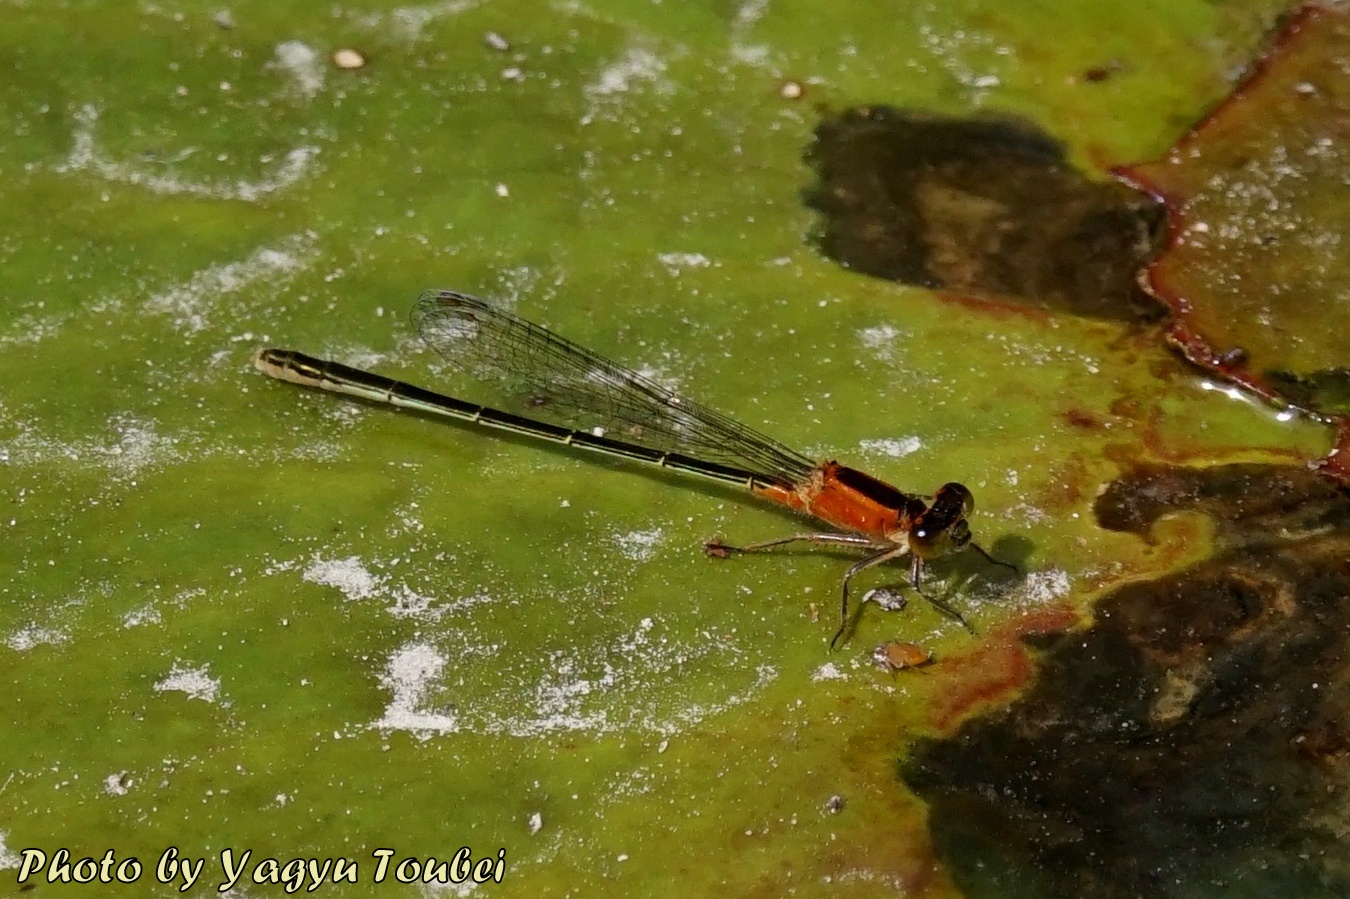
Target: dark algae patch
{"type": "Point", "coordinates": [986, 208]}
{"type": "Point", "coordinates": [1193, 740]}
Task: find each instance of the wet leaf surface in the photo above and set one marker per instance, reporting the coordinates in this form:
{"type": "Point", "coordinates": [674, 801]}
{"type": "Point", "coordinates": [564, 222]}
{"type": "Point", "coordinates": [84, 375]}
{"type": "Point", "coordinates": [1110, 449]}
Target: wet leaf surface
{"type": "Point", "coordinates": [240, 616]}
{"type": "Point", "coordinates": [1255, 272]}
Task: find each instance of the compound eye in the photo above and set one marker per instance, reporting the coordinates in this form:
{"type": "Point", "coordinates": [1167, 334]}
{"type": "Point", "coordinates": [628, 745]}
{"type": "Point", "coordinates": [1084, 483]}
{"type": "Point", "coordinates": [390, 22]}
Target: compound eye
{"type": "Point", "coordinates": [951, 496]}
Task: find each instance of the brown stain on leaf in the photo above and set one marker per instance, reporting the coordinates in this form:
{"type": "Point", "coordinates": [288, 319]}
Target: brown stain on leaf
{"type": "Point", "coordinates": [1084, 419]}
{"type": "Point", "coordinates": [1194, 737]}
{"type": "Point", "coordinates": [995, 671]}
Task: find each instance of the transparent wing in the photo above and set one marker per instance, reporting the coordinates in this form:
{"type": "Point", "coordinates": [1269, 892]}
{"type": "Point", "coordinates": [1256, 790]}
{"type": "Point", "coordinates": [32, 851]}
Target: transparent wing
{"type": "Point", "coordinates": [538, 374]}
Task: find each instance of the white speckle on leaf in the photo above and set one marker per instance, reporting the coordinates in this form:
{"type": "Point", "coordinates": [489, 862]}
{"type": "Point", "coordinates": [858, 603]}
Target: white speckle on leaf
{"type": "Point", "coordinates": [192, 304]}
{"type": "Point", "coordinates": [85, 156]}
{"type": "Point", "coordinates": [413, 671]}
{"type": "Point", "coordinates": [348, 575]}
{"type": "Point", "coordinates": [638, 67]}
{"type": "Point", "coordinates": [640, 546]}
{"type": "Point", "coordinates": [303, 64]}
{"type": "Point", "coordinates": [197, 683]}
{"type": "Point", "coordinates": [29, 636]}
{"type": "Point", "coordinates": [675, 262]}
{"type": "Point", "coordinates": [828, 671]}
{"type": "Point", "coordinates": [892, 447]}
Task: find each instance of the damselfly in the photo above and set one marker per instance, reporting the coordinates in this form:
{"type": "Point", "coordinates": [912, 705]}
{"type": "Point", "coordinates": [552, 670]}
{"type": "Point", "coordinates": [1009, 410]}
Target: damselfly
{"type": "Point", "coordinates": [570, 395]}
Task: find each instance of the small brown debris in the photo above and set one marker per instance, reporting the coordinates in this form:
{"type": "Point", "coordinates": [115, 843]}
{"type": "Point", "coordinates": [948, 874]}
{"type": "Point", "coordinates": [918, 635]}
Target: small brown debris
{"type": "Point", "coordinates": [896, 655]}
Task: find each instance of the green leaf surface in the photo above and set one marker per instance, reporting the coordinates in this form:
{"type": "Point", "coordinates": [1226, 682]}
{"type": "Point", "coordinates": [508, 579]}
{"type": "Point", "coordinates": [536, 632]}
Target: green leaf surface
{"type": "Point", "coordinates": [238, 616]}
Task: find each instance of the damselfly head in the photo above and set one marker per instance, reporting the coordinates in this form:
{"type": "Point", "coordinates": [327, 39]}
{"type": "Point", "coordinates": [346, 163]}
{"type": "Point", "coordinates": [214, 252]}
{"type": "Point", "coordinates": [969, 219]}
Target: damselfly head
{"type": "Point", "coordinates": [942, 527]}
{"type": "Point", "coordinates": [954, 499]}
